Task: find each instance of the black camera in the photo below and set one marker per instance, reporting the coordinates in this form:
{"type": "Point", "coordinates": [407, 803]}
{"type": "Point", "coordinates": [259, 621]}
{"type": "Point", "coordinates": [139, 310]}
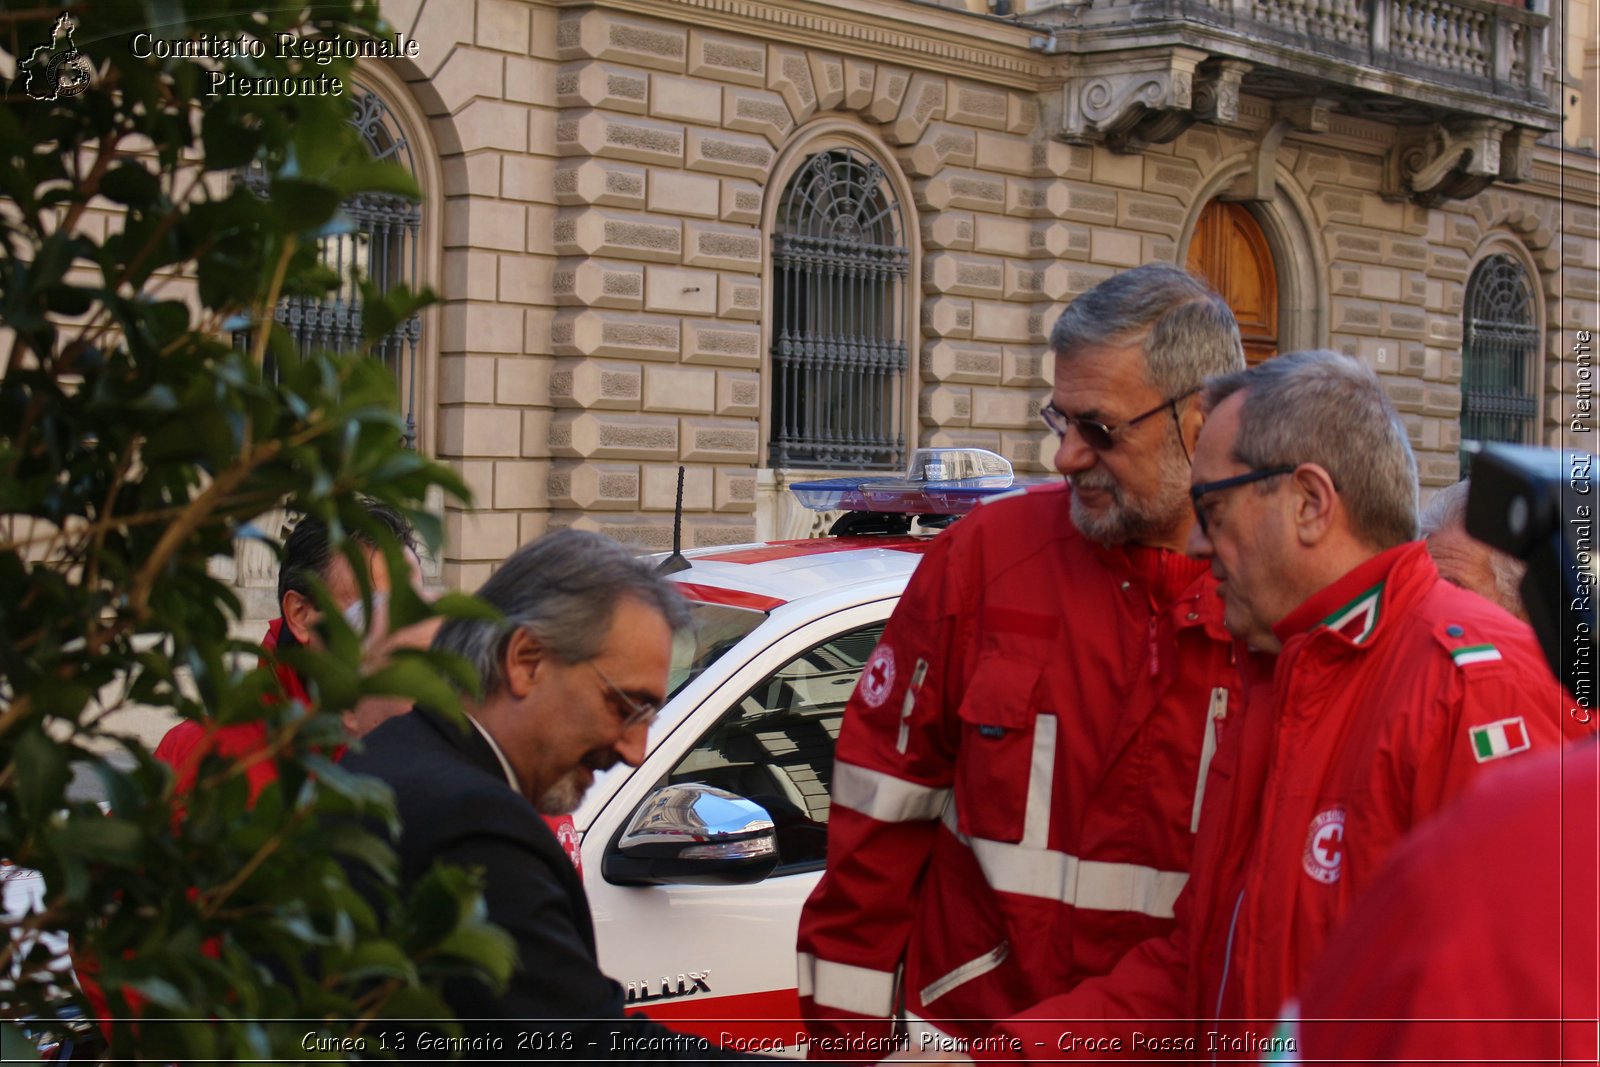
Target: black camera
{"type": "Point", "coordinates": [1539, 505]}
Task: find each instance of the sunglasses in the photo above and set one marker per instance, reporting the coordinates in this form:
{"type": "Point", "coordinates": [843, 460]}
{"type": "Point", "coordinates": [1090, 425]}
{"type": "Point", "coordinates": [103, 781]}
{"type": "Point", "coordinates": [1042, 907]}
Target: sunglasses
{"type": "Point", "coordinates": [1097, 435]}
{"type": "Point", "coordinates": [1201, 515]}
{"type": "Point", "coordinates": [639, 711]}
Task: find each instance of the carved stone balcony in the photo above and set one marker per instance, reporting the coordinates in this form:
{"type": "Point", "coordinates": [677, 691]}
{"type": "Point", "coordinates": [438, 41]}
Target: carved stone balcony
{"type": "Point", "coordinates": [1464, 81]}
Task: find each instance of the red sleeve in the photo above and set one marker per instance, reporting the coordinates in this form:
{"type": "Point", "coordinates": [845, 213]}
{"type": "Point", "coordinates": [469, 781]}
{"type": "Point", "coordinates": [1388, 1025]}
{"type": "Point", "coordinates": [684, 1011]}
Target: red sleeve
{"type": "Point", "coordinates": [181, 749]}
{"type": "Point", "coordinates": [894, 765]}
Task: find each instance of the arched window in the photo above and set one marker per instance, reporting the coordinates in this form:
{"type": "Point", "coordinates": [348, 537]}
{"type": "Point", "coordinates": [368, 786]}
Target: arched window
{"type": "Point", "coordinates": [839, 267]}
{"type": "Point", "coordinates": [1499, 354]}
{"type": "Point", "coordinates": [383, 247]}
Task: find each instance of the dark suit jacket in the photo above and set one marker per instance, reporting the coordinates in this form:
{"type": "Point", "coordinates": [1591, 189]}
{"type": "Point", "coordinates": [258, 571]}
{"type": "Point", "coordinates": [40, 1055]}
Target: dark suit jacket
{"type": "Point", "coordinates": [456, 807]}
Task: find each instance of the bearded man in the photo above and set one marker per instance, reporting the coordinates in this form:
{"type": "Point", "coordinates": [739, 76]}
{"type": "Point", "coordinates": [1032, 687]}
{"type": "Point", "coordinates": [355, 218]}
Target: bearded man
{"type": "Point", "coordinates": [1018, 775]}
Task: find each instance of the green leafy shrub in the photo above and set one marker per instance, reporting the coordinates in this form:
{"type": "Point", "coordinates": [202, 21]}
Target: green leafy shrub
{"type": "Point", "coordinates": [138, 441]}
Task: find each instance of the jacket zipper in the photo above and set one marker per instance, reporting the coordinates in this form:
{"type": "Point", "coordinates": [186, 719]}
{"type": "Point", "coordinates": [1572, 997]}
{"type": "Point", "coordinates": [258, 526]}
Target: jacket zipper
{"type": "Point", "coordinates": [1227, 960]}
{"type": "Point", "coordinates": [1217, 712]}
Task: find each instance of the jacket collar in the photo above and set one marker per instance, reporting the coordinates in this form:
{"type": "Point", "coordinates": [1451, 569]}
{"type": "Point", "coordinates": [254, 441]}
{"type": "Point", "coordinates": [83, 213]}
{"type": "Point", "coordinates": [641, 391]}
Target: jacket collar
{"type": "Point", "coordinates": [499, 753]}
{"type": "Point", "coordinates": [467, 738]}
{"type": "Point", "coordinates": [278, 636]}
{"type": "Point", "coordinates": [1355, 608]}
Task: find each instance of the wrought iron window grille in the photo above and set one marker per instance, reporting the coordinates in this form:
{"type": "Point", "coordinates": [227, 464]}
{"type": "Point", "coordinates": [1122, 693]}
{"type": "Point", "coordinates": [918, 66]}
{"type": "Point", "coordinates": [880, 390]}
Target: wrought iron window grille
{"type": "Point", "coordinates": [383, 247]}
{"type": "Point", "coordinates": [1500, 355]}
{"type": "Point", "coordinates": [839, 353]}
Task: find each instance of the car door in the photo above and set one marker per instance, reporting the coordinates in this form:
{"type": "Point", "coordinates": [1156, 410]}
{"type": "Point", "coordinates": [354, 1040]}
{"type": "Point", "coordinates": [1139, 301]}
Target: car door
{"type": "Point", "coordinates": [710, 958]}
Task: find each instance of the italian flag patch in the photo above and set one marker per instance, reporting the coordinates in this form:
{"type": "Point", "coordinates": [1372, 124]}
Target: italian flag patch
{"type": "Point", "coordinates": [1475, 654]}
{"type": "Point", "coordinates": [1504, 738]}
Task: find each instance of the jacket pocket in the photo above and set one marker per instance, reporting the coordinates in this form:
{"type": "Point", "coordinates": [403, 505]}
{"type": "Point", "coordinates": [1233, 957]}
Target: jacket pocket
{"type": "Point", "coordinates": [973, 968]}
{"type": "Point", "coordinates": [995, 764]}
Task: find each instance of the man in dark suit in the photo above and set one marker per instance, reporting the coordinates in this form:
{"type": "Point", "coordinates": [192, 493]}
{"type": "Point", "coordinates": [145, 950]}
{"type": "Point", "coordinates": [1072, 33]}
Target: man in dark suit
{"type": "Point", "coordinates": [572, 677]}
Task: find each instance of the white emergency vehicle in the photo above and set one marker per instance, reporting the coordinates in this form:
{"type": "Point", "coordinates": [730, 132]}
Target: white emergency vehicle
{"type": "Point", "coordinates": [697, 862]}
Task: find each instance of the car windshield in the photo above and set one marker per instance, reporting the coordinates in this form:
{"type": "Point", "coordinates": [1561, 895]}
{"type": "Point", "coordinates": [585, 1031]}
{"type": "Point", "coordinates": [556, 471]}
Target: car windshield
{"type": "Point", "coordinates": [713, 629]}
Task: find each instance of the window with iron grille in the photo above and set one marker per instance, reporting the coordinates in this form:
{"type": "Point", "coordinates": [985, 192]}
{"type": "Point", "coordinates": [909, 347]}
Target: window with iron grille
{"type": "Point", "coordinates": [839, 268]}
{"type": "Point", "coordinates": [383, 247]}
{"type": "Point", "coordinates": [1500, 355]}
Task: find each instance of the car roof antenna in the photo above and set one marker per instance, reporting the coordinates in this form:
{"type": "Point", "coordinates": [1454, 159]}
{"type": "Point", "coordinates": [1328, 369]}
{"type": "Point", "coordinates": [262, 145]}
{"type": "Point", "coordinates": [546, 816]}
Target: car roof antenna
{"type": "Point", "coordinates": [675, 562]}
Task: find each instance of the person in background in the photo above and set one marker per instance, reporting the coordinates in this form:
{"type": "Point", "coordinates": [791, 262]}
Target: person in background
{"type": "Point", "coordinates": [1016, 782]}
{"type": "Point", "coordinates": [1464, 560]}
{"type": "Point", "coordinates": [1375, 693]}
{"type": "Point", "coordinates": [308, 556]}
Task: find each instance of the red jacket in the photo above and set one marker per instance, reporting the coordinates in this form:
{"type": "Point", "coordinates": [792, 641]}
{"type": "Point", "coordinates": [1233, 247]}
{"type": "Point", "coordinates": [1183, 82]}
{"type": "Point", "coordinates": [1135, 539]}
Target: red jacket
{"type": "Point", "coordinates": [1393, 690]}
{"type": "Point", "coordinates": [1014, 786]}
{"type": "Point", "coordinates": [189, 742]}
{"type": "Point", "coordinates": [1479, 942]}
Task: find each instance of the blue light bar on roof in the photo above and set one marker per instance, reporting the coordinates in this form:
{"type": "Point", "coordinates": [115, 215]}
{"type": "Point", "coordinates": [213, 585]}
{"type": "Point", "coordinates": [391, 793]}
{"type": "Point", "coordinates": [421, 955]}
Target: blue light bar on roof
{"type": "Point", "coordinates": [937, 481]}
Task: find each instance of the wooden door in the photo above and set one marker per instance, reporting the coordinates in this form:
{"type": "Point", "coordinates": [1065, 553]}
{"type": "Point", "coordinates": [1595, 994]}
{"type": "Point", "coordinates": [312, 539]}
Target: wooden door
{"type": "Point", "coordinates": [1230, 251]}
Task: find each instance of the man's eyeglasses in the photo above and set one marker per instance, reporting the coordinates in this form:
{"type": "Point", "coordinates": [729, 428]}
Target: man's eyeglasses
{"type": "Point", "coordinates": [1205, 488]}
{"type": "Point", "coordinates": [1097, 435]}
{"type": "Point", "coordinates": [638, 711]}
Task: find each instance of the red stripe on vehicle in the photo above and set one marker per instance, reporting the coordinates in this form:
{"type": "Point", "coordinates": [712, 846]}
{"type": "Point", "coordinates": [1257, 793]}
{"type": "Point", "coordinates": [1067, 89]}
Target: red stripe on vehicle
{"type": "Point", "coordinates": [747, 1017]}
{"type": "Point", "coordinates": [734, 598]}
{"type": "Point", "coordinates": [817, 546]}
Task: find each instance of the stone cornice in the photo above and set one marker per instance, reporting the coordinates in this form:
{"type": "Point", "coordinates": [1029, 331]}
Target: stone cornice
{"type": "Point", "coordinates": [925, 37]}
{"type": "Point", "coordinates": [1570, 176]}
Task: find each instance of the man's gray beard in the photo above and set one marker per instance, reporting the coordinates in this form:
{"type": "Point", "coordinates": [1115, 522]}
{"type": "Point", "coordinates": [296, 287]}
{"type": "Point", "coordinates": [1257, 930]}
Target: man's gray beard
{"type": "Point", "coordinates": [1138, 522]}
{"type": "Point", "coordinates": [562, 798]}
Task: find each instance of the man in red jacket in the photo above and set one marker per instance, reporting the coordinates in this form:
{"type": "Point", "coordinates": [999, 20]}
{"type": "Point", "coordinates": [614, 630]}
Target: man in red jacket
{"type": "Point", "coordinates": [1015, 786]}
{"type": "Point", "coordinates": [1375, 693]}
{"type": "Point", "coordinates": [1478, 944]}
{"type": "Point", "coordinates": [308, 556]}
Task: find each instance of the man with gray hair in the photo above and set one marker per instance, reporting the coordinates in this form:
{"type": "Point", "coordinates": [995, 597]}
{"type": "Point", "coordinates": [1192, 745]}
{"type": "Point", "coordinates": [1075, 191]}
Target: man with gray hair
{"type": "Point", "coordinates": [1015, 782]}
{"type": "Point", "coordinates": [1375, 692]}
{"type": "Point", "coordinates": [572, 677]}
{"type": "Point", "coordinates": [1463, 559]}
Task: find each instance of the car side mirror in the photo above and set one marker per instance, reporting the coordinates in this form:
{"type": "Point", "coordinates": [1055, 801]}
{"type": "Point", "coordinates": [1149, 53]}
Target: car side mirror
{"type": "Point", "coordinates": [693, 834]}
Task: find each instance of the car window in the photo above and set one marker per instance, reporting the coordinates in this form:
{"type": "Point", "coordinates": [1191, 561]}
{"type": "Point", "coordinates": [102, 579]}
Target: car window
{"type": "Point", "coordinates": [712, 630]}
{"type": "Point", "coordinates": [775, 746]}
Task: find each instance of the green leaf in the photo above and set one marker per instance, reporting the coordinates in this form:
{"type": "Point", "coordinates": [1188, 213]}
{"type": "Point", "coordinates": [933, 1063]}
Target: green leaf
{"type": "Point", "coordinates": [104, 839]}
{"type": "Point", "coordinates": [228, 145]}
{"type": "Point", "coordinates": [373, 176]}
{"type": "Point", "coordinates": [162, 992]}
{"type": "Point", "coordinates": [306, 203]}
{"type": "Point", "coordinates": [487, 946]}
{"type": "Point", "coordinates": [406, 676]}
{"type": "Point", "coordinates": [42, 775]}
{"type": "Point", "coordinates": [466, 606]}
{"type": "Point", "coordinates": [131, 184]}
{"type": "Point", "coordinates": [415, 1002]}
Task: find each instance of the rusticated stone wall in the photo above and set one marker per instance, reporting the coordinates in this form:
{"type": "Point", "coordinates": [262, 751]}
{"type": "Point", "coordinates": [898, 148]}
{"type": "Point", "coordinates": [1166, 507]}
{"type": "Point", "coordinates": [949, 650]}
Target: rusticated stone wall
{"type": "Point", "coordinates": [608, 179]}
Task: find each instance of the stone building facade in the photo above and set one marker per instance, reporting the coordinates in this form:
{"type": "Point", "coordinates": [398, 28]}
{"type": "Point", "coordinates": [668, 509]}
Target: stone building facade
{"type": "Point", "coordinates": [606, 225]}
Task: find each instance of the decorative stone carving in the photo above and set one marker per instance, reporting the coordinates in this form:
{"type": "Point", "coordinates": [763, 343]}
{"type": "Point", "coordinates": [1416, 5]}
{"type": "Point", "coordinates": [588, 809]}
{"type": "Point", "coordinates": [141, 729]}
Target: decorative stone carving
{"type": "Point", "coordinates": [1308, 114]}
{"type": "Point", "coordinates": [1451, 161]}
{"type": "Point", "coordinates": [1516, 154]}
{"type": "Point", "coordinates": [1131, 99]}
{"type": "Point", "coordinates": [1216, 91]}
